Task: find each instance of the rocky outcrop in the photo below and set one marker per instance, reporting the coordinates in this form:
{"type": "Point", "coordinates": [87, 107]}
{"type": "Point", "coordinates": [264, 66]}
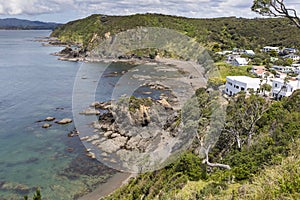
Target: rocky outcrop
{"type": "Point", "coordinates": [49, 119]}
{"type": "Point", "coordinates": [90, 111]}
{"type": "Point", "coordinates": [124, 134]}
{"type": "Point", "coordinates": [143, 115]}
{"type": "Point", "coordinates": [46, 125]}
{"type": "Point", "coordinates": [165, 104]}
{"type": "Point", "coordinates": [65, 121]}
{"type": "Point", "coordinates": [72, 54]}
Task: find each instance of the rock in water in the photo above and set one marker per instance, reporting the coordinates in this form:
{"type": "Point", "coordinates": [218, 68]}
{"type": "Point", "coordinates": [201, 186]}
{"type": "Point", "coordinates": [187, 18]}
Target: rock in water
{"type": "Point", "coordinates": [49, 119]}
{"type": "Point", "coordinates": [90, 111]}
{"type": "Point", "coordinates": [95, 104]}
{"type": "Point", "coordinates": [91, 155]}
{"type": "Point", "coordinates": [65, 121]}
{"type": "Point", "coordinates": [46, 125]}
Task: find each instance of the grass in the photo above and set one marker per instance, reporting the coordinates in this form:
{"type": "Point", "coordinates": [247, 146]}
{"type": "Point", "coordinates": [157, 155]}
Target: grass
{"type": "Point", "coordinates": [225, 69]}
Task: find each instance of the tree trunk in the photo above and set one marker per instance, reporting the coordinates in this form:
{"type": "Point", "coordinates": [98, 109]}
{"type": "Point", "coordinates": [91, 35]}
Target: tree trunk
{"type": "Point", "coordinates": [213, 164]}
{"type": "Point", "coordinates": [238, 141]}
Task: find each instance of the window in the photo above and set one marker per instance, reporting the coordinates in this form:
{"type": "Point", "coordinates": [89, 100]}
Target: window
{"type": "Point", "coordinates": [237, 87]}
{"type": "Point", "coordinates": [291, 89]}
{"type": "Point", "coordinates": [242, 88]}
{"type": "Point", "coordinates": [226, 89]}
{"type": "Point", "coordinates": [276, 85]}
{"type": "Point", "coordinates": [229, 83]}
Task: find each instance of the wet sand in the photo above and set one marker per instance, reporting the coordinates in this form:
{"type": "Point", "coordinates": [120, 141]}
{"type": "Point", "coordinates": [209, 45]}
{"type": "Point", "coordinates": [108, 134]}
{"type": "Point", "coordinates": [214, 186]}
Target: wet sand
{"type": "Point", "coordinates": [110, 186]}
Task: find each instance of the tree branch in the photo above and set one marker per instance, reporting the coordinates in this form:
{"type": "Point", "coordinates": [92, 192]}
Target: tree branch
{"type": "Point", "coordinates": [276, 8]}
{"type": "Point", "coordinates": [206, 161]}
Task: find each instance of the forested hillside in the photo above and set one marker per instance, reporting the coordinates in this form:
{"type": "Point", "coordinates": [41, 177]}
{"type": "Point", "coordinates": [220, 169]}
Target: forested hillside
{"type": "Point", "coordinates": [264, 163]}
{"type": "Point", "coordinates": [220, 33]}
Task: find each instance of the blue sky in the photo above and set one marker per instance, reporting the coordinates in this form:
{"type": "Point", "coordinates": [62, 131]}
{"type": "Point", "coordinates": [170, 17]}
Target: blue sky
{"type": "Point", "coordinates": [67, 10]}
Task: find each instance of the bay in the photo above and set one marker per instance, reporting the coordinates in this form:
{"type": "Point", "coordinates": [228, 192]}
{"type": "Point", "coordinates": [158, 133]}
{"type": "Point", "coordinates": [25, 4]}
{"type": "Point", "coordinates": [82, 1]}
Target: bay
{"type": "Point", "coordinates": [33, 86]}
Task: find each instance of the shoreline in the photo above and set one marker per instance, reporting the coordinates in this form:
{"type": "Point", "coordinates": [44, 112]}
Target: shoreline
{"type": "Point", "coordinates": [112, 184]}
{"type": "Point", "coordinates": [191, 76]}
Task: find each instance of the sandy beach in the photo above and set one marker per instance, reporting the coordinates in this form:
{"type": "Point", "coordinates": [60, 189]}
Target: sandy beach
{"type": "Point", "coordinates": [110, 186]}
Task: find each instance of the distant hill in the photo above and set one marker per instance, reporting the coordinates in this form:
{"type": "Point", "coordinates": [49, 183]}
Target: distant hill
{"type": "Point", "coordinates": [13, 23]}
{"type": "Point", "coordinates": [217, 33]}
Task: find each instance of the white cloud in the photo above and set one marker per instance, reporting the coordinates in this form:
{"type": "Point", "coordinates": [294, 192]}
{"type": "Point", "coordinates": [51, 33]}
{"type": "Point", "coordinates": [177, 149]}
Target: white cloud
{"type": "Point", "coordinates": [188, 8]}
{"type": "Point", "coordinates": [32, 7]}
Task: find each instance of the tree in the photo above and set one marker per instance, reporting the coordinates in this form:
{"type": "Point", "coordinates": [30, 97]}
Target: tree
{"type": "Point", "coordinates": [242, 114]}
{"type": "Point", "coordinates": [210, 124]}
{"type": "Point", "coordinates": [275, 8]}
{"type": "Point", "coordinates": [283, 88]}
{"type": "Point", "coordinates": [266, 87]}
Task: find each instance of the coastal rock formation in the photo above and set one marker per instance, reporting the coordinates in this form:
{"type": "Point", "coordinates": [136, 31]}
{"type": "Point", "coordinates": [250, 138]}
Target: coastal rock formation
{"type": "Point", "coordinates": [17, 187]}
{"type": "Point", "coordinates": [165, 104]}
{"type": "Point", "coordinates": [134, 129]}
{"type": "Point", "coordinates": [72, 54]}
{"type": "Point", "coordinates": [46, 125]}
{"type": "Point", "coordinates": [90, 111]}
{"type": "Point", "coordinates": [48, 119]}
{"type": "Point", "coordinates": [65, 121]}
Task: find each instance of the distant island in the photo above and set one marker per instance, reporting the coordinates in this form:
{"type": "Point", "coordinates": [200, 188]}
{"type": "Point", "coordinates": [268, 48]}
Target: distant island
{"type": "Point", "coordinates": [15, 24]}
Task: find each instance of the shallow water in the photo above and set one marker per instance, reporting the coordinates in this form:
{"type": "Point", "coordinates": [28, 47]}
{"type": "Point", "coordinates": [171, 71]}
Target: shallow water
{"type": "Point", "coordinates": [33, 86]}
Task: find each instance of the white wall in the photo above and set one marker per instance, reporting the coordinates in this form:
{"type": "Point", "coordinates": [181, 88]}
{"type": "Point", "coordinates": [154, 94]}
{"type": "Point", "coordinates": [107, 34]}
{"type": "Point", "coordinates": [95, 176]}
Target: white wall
{"type": "Point", "coordinates": [235, 84]}
{"type": "Point", "coordinates": [290, 87]}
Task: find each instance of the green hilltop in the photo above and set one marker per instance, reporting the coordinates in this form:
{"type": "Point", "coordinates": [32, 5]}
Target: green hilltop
{"type": "Point", "coordinates": [217, 33]}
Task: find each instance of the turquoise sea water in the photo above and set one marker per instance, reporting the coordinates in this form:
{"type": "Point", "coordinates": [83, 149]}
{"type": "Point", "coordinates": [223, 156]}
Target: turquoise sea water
{"type": "Point", "coordinates": [33, 86]}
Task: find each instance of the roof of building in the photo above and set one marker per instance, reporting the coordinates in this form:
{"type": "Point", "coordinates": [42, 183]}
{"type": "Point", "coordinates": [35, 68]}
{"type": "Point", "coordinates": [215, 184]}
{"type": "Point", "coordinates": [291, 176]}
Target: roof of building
{"type": "Point", "coordinates": [293, 83]}
{"type": "Point", "coordinates": [269, 47]}
{"type": "Point", "coordinates": [258, 67]}
{"type": "Point", "coordinates": [260, 71]}
{"type": "Point", "coordinates": [241, 60]}
{"type": "Point", "coordinates": [250, 52]}
{"type": "Point", "coordinates": [242, 78]}
{"type": "Point", "coordinates": [251, 82]}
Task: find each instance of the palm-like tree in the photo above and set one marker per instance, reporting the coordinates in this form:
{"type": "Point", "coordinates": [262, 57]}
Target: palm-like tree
{"type": "Point", "coordinates": [283, 87]}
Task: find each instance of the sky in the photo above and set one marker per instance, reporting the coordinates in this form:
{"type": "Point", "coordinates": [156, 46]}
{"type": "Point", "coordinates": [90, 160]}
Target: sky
{"type": "Point", "coordinates": [67, 10]}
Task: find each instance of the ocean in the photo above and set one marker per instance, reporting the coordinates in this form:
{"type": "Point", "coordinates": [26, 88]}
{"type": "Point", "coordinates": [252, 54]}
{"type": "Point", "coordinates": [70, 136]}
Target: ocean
{"type": "Point", "coordinates": [33, 86]}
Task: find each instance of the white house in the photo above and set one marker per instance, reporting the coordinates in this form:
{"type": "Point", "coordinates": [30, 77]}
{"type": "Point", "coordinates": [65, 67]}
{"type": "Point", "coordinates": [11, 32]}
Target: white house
{"type": "Point", "coordinates": [297, 70]}
{"type": "Point", "coordinates": [249, 52]}
{"type": "Point", "coordinates": [231, 57]}
{"type": "Point", "coordinates": [235, 84]}
{"type": "Point", "coordinates": [290, 50]}
{"type": "Point", "coordinates": [281, 89]}
{"type": "Point", "coordinates": [239, 62]}
{"type": "Point", "coordinates": [283, 69]}
{"type": "Point", "coordinates": [294, 57]}
{"type": "Point", "coordinates": [269, 48]}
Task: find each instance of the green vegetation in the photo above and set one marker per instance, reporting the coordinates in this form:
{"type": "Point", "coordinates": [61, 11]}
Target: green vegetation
{"type": "Point", "coordinates": [135, 103]}
{"type": "Point", "coordinates": [162, 183]}
{"type": "Point", "coordinates": [36, 196]}
{"type": "Point", "coordinates": [225, 69]}
{"type": "Point", "coordinates": [260, 142]}
{"type": "Point", "coordinates": [216, 34]}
